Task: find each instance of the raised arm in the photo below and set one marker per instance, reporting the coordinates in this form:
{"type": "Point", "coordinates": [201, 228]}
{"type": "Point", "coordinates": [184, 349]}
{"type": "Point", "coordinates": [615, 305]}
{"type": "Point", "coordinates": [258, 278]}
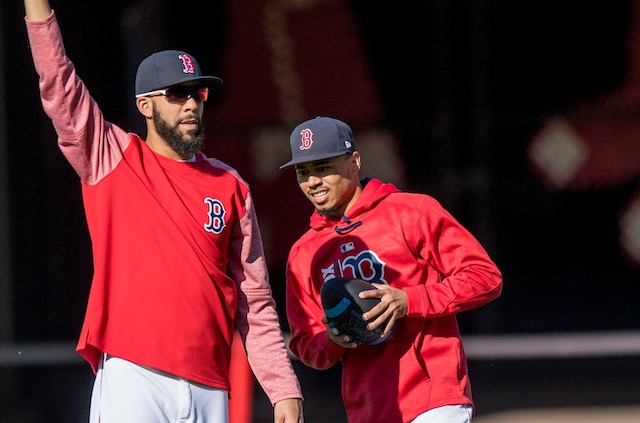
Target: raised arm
{"type": "Point", "coordinates": [37, 10]}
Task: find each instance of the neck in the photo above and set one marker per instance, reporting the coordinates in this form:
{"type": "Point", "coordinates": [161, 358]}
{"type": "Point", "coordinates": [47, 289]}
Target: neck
{"type": "Point", "coordinates": [160, 146]}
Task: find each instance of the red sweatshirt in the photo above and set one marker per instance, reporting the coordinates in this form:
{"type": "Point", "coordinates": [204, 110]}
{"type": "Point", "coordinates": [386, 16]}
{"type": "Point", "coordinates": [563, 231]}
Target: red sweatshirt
{"type": "Point", "coordinates": [408, 241]}
{"type": "Point", "coordinates": [178, 258]}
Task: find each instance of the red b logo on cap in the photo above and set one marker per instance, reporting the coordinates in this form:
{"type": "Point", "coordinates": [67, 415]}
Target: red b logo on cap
{"type": "Point", "coordinates": [306, 138]}
{"type": "Point", "coordinates": [188, 63]}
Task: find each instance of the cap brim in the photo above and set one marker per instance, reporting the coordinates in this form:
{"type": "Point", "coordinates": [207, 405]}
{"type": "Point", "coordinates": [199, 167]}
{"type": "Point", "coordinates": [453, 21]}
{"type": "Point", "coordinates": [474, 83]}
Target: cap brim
{"type": "Point", "coordinates": [311, 158]}
{"type": "Point", "coordinates": [211, 82]}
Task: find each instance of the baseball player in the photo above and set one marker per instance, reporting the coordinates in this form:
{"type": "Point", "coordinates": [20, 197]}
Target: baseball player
{"type": "Point", "coordinates": [426, 266]}
{"type": "Point", "coordinates": [178, 257]}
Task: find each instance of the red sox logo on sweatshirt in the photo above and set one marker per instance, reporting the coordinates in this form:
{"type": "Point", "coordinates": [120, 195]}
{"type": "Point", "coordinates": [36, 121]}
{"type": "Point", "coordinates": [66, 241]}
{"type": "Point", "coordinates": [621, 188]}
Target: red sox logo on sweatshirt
{"type": "Point", "coordinates": [306, 136]}
{"type": "Point", "coordinates": [365, 265]}
{"type": "Point", "coordinates": [216, 216]}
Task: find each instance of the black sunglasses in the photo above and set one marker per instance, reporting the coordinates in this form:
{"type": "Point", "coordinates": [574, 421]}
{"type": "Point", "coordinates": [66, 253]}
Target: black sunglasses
{"type": "Point", "coordinates": [180, 94]}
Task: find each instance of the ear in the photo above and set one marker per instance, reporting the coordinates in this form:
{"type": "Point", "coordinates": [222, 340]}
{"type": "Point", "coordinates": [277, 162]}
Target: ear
{"type": "Point", "coordinates": [145, 106]}
{"type": "Point", "coordinates": [354, 162]}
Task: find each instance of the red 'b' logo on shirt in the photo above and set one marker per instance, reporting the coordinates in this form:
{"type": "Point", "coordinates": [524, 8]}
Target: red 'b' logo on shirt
{"type": "Point", "coordinates": [306, 138]}
{"type": "Point", "coordinates": [187, 61]}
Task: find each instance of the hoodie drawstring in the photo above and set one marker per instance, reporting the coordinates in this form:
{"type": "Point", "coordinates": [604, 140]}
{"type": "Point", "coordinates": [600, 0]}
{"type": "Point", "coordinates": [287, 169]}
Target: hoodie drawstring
{"type": "Point", "coordinates": [350, 226]}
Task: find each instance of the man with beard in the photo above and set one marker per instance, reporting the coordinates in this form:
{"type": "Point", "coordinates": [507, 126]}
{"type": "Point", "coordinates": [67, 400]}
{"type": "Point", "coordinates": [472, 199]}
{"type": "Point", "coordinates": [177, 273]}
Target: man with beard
{"type": "Point", "coordinates": [177, 253]}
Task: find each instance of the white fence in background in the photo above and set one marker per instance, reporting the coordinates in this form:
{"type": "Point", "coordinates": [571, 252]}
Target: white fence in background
{"type": "Point", "coordinates": [477, 347]}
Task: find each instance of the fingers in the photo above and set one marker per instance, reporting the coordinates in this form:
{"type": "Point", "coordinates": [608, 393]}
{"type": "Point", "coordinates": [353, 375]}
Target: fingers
{"type": "Point", "coordinates": [389, 326]}
{"type": "Point", "coordinates": [288, 411]}
{"type": "Point", "coordinates": [341, 339]}
{"type": "Point", "coordinates": [376, 312]}
{"type": "Point", "coordinates": [374, 293]}
{"type": "Point", "coordinates": [392, 306]}
{"type": "Point", "coordinates": [393, 301]}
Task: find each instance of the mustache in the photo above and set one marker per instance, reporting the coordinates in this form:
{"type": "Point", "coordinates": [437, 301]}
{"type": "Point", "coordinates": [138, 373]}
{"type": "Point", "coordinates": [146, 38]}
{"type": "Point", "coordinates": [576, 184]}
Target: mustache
{"type": "Point", "coordinates": [190, 117]}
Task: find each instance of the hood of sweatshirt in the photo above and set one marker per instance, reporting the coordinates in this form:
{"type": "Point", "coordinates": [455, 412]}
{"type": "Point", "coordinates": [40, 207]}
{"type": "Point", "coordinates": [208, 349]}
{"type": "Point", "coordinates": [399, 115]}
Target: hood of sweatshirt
{"type": "Point", "coordinates": [372, 193]}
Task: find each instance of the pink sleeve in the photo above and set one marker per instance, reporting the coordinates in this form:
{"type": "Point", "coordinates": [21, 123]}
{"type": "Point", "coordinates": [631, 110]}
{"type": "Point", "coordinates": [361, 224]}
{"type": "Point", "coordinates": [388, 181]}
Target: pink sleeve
{"type": "Point", "coordinates": [257, 319]}
{"type": "Point", "coordinates": [91, 145]}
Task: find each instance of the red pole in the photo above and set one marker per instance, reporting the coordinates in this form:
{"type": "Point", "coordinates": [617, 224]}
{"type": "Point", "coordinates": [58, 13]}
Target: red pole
{"type": "Point", "coordinates": [241, 379]}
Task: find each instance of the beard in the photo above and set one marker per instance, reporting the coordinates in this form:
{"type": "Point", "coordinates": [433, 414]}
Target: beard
{"type": "Point", "coordinates": [184, 145]}
{"type": "Point", "coordinates": [330, 211]}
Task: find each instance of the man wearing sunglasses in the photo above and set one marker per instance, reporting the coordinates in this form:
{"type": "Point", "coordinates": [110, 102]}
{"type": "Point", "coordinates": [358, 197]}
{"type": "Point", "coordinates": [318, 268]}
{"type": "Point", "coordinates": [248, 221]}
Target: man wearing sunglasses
{"type": "Point", "coordinates": [177, 254]}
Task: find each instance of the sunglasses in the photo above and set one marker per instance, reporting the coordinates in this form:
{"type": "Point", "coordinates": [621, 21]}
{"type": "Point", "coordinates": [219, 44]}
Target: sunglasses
{"type": "Point", "coordinates": [180, 94]}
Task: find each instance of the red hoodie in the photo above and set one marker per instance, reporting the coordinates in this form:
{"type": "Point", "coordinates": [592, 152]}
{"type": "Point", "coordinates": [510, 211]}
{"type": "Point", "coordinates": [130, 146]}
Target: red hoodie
{"type": "Point", "coordinates": [408, 241]}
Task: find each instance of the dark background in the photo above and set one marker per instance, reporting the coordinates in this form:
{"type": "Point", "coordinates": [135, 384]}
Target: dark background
{"type": "Point", "coordinates": [464, 87]}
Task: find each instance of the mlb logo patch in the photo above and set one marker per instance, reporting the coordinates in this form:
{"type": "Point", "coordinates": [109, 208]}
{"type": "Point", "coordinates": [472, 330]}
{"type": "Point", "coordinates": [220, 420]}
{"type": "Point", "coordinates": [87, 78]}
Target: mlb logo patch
{"type": "Point", "coordinates": [347, 247]}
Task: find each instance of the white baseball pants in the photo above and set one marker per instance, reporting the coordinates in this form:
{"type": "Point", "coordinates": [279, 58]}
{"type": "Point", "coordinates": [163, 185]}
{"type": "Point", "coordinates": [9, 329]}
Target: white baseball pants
{"type": "Point", "coordinates": [446, 414]}
{"type": "Point", "coordinates": [124, 392]}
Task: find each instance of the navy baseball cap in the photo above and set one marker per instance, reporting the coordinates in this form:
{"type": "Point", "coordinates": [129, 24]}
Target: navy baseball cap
{"type": "Point", "coordinates": [170, 67]}
{"type": "Point", "coordinates": [320, 138]}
